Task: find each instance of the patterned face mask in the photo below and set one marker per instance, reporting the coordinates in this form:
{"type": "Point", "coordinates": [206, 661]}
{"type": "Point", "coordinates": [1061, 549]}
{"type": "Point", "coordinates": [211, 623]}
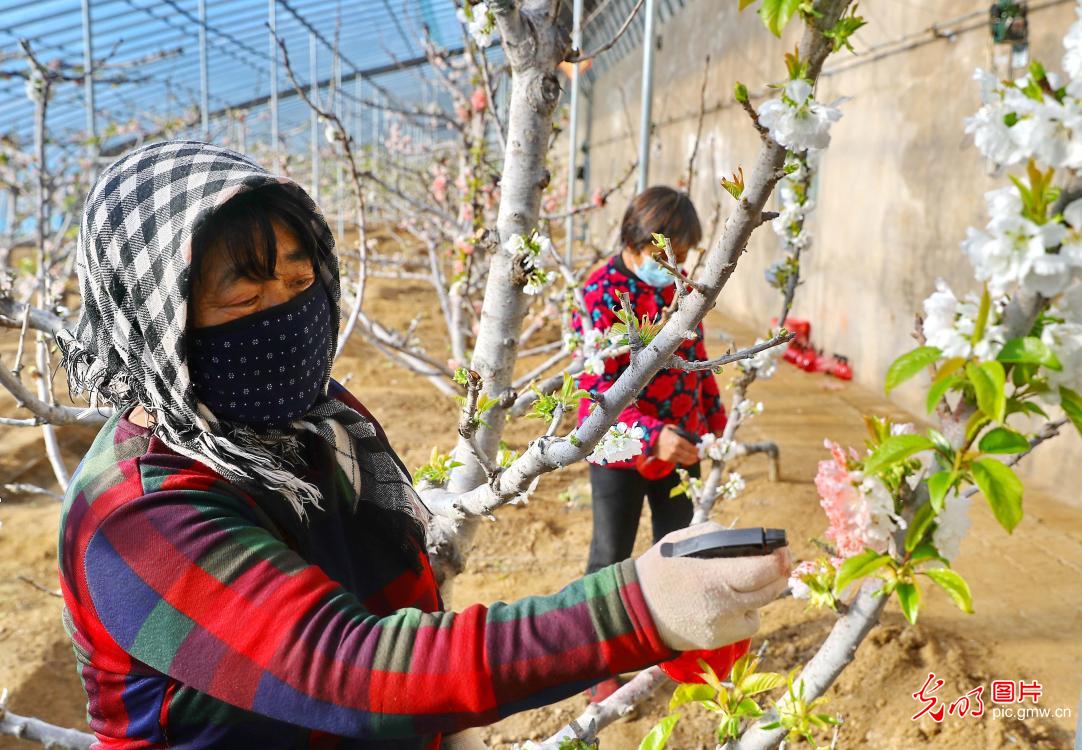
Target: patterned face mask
{"type": "Point", "coordinates": [264, 368]}
{"type": "Point", "coordinates": [132, 345]}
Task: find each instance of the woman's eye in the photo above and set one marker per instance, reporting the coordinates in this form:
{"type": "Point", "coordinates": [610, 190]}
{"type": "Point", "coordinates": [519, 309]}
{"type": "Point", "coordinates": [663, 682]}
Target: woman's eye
{"type": "Point", "coordinates": [303, 283]}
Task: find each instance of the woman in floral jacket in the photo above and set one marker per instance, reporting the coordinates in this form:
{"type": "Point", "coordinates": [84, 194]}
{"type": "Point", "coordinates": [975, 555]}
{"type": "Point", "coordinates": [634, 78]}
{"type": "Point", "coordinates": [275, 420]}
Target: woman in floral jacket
{"type": "Point", "coordinates": [676, 405]}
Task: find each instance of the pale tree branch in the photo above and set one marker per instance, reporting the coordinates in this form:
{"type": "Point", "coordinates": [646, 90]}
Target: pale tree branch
{"type": "Point", "coordinates": [597, 716]}
{"type": "Point", "coordinates": [46, 413]}
{"type": "Point", "coordinates": [35, 730]}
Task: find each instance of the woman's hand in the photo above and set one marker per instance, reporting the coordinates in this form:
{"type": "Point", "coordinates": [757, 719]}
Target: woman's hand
{"type": "Point", "coordinates": [671, 447]}
{"type": "Point", "coordinates": [700, 603]}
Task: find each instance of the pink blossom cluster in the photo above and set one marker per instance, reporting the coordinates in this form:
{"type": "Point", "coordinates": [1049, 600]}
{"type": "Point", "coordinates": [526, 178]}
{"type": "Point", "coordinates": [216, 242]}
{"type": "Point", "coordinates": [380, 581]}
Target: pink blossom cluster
{"type": "Point", "coordinates": [440, 180]}
{"type": "Point", "coordinates": [479, 100]}
{"type": "Point", "coordinates": [860, 509]}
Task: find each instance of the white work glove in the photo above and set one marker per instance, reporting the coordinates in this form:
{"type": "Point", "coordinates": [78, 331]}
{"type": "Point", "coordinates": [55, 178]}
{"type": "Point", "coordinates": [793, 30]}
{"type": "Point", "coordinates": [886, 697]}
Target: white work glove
{"type": "Point", "coordinates": [469, 739]}
{"type": "Point", "coordinates": [700, 603]}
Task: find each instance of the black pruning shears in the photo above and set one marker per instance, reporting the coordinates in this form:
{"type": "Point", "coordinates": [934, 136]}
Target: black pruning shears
{"type": "Point", "coordinates": [728, 543]}
{"type": "Point", "coordinates": [691, 437]}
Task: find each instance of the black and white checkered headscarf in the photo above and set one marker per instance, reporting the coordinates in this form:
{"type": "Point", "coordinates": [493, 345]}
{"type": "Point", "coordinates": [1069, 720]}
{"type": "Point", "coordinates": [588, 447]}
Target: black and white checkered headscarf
{"type": "Point", "coordinates": [129, 348]}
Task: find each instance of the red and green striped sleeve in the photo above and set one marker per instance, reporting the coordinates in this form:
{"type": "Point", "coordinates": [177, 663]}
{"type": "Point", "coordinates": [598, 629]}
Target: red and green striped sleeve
{"type": "Point", "coordinates": [186, 581]}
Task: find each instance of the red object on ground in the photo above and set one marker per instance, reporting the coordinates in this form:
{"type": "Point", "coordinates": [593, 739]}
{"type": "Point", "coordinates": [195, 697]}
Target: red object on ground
{"type": "Point", "coordinates": [835, 365]}
{"type": "Point", "coordinates": [801, 353]}
{"type": "Point", "coordinates": [803, 357]}
{"type": "Point", "coordinates": [653, 467]}
{"type": "Point", "coordinates": [685, 668]}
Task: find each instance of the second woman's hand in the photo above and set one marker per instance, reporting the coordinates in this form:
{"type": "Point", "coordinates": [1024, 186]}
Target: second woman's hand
{"type": "Point", "coordinates": [670, 446]}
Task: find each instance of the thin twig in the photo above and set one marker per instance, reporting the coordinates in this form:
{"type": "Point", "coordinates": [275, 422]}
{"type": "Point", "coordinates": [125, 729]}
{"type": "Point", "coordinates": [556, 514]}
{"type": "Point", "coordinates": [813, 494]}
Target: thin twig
{"type": "Point", "coordinates": [750, 109]}
{"type": "Point", "coordinates": [608, 45]}
{"type": "Point", "coordinates": [18, 366]}
{"type": "Point", "coordinates": [709, 364]}
{"type": "Point", "coordinates": [39, 587]}
{"type": "Point", "coordinates": [698, 126]}
{"type": "Point", "coordinates": [634, 337]}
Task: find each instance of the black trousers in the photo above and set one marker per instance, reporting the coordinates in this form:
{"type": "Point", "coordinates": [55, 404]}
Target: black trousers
{"type": "Point", "coordinates": [616, 498]}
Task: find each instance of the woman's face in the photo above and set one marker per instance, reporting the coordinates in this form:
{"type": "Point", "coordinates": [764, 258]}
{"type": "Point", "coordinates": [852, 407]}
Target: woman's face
{"type": "Point", "coordinates": [223, 294]}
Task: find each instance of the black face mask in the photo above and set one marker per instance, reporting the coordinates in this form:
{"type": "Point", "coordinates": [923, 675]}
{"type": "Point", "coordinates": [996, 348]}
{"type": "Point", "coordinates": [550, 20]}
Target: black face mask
{"type": "Point", "coordinates": [267, 368]}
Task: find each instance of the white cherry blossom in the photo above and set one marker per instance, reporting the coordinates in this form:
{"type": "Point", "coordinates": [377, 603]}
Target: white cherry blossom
{"type": "Point", "coordinates": [952, 523]}
{"type": "Point", "coordinates": [949, 324]}
{"type": "Point", "coordinates": [479, 22]}
{"type": "Point", "coordinates": [620, 443]}
{"type": "Point", "coordinates": [795, 120]}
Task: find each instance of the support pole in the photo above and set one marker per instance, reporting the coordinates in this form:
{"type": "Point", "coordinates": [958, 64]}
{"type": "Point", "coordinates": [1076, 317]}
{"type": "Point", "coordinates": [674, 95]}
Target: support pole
{"type": "Point", "coordinates": [358, 122]}
{"type": "Point", "coordinates": [204, 82]}
{"type": "Point", "coordinates": [339, 173]}
{"type": "Point", "coordinates": [573, 134]}
{"type": "Point", "coordinates": [313, 120]}
{"type": "Point", "coordinates": [273, 45]}
{"type": "Point", "coordinates": [648, 44]}
{"type": "Point", "coordinates": [88, 81]}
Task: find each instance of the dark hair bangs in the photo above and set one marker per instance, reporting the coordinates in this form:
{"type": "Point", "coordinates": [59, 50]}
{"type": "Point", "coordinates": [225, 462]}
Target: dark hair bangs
{"type": "Point", "coordinates": [243, 229]}
{"type": "Point", "coordinates": [661, 210]}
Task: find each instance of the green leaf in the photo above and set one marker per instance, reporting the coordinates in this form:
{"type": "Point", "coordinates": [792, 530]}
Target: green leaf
{"type": "Point", "coordinates": [924, 552]}
{"type": "Point", "coordinates": [938, 484]}
{"type": "Point", "coordinates": [1022, 373]}
{"type": "Point", "coordinates": [1029, 349]}
{"type": "Point", "coordinates": [858, 566]}
{"type": "Point", "coordinates": [658, 737]}
{"type": "Point", "coordinates": [909, 364]}
{"type": "Point", "coordinates": [909, 598]}
{"type": "Point", "coordinates": [748, 707]}
{"type": "Point", "coordinates": [989, 379]}
{"type": "Point", "coordinates": [896, 449]}
{"type": "Point", "coordinates": [939, 388]}
{"type": "Point", "coordinates": [982, 317]}
{"type": "Point", "coordinates": [1072, 407]}
{"type": "Point", "coordinates": [761, 682]}
{"type": "Point", "coordinates": [941, 443]}
{"type": "Point", "coordinates": [745, 665]}
{"type": "Point", "coordinates": [1031, 408]}
{"type": "Point", "coordinates": [689, 693]}
{"type": "Point", "coordinates": [845, 27]}
{"type": "Point", "coordinates": [922, 519]}
{"type": "Point", "coordinates": [776, 14]}
{"type": "Point", "coordinates": [1003, 440]}
{"type": "Point", "coordinates": [954, 585]}
{"type": "Point", "coordinates": [1002, 489]}
{"type": "Point", "coordinates": [745, 3]}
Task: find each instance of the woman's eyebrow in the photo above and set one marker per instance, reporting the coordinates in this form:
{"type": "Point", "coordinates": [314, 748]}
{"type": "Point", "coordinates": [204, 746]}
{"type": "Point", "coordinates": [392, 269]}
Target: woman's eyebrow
{"type": "Point", "coordinates": [297, 254]}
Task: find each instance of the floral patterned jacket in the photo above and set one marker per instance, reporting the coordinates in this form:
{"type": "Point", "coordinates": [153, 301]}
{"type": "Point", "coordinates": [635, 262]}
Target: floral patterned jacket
{"type": "Point", "coordinates": [690, 400]}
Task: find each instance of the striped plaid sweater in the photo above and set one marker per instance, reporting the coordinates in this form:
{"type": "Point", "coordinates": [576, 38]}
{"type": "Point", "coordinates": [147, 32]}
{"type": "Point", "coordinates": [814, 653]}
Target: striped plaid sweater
{"type": "Point", "coordinates": [204, 617]}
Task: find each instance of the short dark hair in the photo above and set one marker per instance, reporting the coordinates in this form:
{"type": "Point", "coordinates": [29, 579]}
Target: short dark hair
{"type": "Point", "coordinates": [660, 210]}
{"type": "Point", "coordinates": [243, 229]}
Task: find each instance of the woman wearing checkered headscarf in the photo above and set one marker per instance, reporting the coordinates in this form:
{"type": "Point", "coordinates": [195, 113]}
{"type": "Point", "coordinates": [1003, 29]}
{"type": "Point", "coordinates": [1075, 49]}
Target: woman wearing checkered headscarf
{"type": "Point", "coordinates": [241, 551]}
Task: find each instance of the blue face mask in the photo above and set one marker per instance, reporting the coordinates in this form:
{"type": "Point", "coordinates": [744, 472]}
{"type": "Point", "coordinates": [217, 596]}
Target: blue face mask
{"type": "Point", "coordinates": [653, 274]}
{"type": "Point", "coordinates": [267, 368]}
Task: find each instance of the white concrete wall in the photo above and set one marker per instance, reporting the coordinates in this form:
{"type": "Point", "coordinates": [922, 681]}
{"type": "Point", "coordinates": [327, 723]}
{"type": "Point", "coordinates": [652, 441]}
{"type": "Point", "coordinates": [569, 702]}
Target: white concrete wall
{"type": "Point", "coordinates": [897, 188]}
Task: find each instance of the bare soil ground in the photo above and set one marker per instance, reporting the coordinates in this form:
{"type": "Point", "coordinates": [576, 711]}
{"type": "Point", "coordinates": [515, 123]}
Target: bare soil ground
{"type": "Point", "coordinates": [1026, 586]}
